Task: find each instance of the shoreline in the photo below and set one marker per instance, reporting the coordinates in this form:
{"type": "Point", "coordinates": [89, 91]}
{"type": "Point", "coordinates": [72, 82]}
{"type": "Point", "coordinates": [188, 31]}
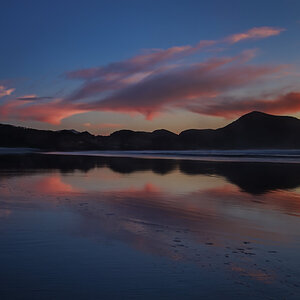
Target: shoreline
{"type": "Point", "coordinates": [272, 156]}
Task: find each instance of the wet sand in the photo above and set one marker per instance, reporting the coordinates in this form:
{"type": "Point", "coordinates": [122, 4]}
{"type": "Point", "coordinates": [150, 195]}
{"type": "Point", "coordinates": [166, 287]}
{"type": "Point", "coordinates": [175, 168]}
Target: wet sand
{"type": "Point", "coordinates": [117, 228]}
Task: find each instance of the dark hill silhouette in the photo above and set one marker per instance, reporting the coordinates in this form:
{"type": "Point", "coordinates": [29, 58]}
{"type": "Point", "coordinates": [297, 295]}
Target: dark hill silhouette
{"type": "Point", "coordinates": [255, 130]}
{"type": "Point", "coordinates": [261, 130]}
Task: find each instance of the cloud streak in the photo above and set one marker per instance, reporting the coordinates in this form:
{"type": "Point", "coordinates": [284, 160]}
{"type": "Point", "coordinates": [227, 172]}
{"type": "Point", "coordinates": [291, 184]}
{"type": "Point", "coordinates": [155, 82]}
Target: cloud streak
{"type": "Point", "coordinates": [157, 81]}
{"type": "Point", "coordinates": [287, 103]}
{"type": "Point", "coordinates": [33, 98]}
{"type": "Point", "coordinates": [51, 112]}
{"type": "Point", "coordinates": [118, 75]}
{"type": "Point", "coordinates": [181, 87]}
{"type": "Point", "coordinates": [254, 34]}
{"type": "Point", "coordinates": [4, 91]}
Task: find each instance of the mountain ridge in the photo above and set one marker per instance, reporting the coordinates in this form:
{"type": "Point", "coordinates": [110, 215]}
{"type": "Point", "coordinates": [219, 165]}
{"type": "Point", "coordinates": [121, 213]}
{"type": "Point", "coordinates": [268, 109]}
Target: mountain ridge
{"type": "Point", "coordinates": [253, 130]}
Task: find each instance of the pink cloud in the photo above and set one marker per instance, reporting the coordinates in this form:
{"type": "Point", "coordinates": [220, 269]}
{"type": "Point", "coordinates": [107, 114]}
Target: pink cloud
{"type": "Point", "coordinates": [4, 91]}
{"type": "Point", "coordinates": [140, 62]}
{"type": "Point", "coordinates": [229, 108]}
{"type": "Point", "coordinates": [50, 112]}
{"type": "Point", "coordinates": [118, 75]}
{"type": "Point", "coordinates": [150, 83]}
{"type": "Point", "coordinates": [254, 33]}
{"type": "Point", "coordinates": [32, 97]}
{"type": "Point", "coordinates": [179, 88]}
{"type": "Point", "coordinates": [196, 88]}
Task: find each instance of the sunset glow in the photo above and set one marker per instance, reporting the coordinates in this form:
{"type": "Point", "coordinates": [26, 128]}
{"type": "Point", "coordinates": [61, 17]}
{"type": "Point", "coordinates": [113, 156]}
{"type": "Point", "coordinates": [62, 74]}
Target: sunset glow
{"type": "Point", "coordinates": [150, 83]}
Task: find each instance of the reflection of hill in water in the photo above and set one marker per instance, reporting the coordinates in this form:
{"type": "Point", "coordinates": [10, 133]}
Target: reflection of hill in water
{"type": "Point", "coordinates": [254, 178]}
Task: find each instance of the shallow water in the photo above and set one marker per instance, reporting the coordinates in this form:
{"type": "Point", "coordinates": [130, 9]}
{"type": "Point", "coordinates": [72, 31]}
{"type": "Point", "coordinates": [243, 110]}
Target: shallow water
{"type": "Point", "coordinates": [80, 227]}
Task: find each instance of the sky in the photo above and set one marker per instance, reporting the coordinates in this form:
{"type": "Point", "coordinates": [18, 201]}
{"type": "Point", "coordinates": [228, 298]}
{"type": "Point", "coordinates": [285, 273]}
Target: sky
{"type": "Point", "coordinates": [103, 66]}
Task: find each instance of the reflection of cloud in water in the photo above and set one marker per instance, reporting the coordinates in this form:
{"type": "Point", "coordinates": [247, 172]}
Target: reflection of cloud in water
{"type": "Point", "coordinates": [174, 182]}
{"type": "Point", "coordinates": [181, 230]}
{"type": "Point", "coordinates": [40, 184]}
{"type": "Point", "coordinates": [254, 178]}
{"type": "Point", "coordinates": [254, 274]}
{"type": "Point", "coordinates": [5, 213]}
{"type": "Point", "coordinates": [198, 213]}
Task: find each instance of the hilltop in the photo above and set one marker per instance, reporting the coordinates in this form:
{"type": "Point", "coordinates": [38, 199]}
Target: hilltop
{"type": "Point", "coordinates": [255, 130]}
